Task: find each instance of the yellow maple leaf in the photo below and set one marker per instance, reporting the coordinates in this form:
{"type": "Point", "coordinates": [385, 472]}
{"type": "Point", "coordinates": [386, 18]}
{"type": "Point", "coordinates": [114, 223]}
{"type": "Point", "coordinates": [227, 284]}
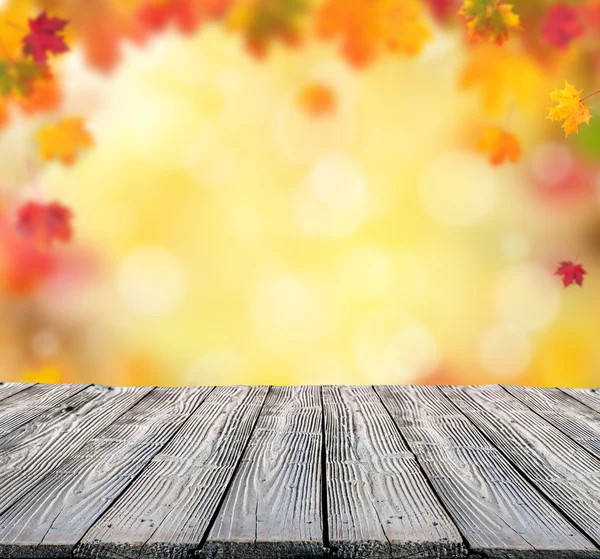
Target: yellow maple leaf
{"type": "Point", "coordinates": [570, 107]}
{"type": "Point", "coordinates": [366, 27]}
{"type": "Point", "coordinates": [13, 26]}
{"type": "Point", "coordinates": [502, 75]}
{"type": "Point", "coordinates": [489, 18]}
{"type": "Point", "coordinates": [47, 374]}
{"type": "Point", "coordinates": [62, 139]}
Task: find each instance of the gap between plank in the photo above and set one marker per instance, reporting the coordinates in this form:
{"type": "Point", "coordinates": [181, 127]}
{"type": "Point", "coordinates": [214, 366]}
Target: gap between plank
{"type": "Point", "coordinates": [539, 490]}
{"type": "Point", "coordinates": [196, 551]}
{"type": "Point", "coordinates": [134, 478]}
{"type": "Point", "coordinates": [327, 549]}
{"type": "Point", "coordinates": [465, 542]}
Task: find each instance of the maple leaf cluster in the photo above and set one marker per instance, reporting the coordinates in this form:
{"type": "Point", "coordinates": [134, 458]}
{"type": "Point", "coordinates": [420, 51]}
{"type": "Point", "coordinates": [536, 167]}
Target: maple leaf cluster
{"type": "Point", "coordinates": [27, 78]}
{"type": "Point", "coordinates": [364, 29]}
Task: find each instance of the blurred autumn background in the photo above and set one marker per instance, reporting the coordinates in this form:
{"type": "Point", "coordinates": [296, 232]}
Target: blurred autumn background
{"type": "Point", "coordinates": [298, 192]}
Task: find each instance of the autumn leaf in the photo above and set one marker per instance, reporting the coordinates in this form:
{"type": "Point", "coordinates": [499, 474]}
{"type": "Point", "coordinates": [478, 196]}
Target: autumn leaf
{"type": "Point", "coordinates": [61, 140]}
{"type": "Point", "coordinates": [16, 76]}
{"type": "Point", "coordinates": [261, 21]}
{"type": "Point", "coordinates": [367, 26]}
{"type": "Point", "coordinates": [4, 114]}
{"type": "Point", "coordinates": [43, 37]}
{"type": "Point", "coordinates": [44, 223]}
{"type": "Point", "coordinates": [317, 99]}
{"type": "Point", "coordinates": [44, 96]}
{"type": "Point", "coordinates": [561, 26]}
{"type": "Point", "coordinates": [499, 145]}
{"type": "Point", "coordinates": [570, 107]}
{"type": "Point", "coordinates": [99, 28]}
{"type": "Point", "coordinates": [489, 19]}
{"type": "Point", "coordinates": [502, 76]}
{"type": "Point", "coordinates": [442, 9]}
{"type": "Point", "coordinates": [47, 374]}
{"type": "Point", "coordinates": [570, 272]}
{"type": "Point", "coordinates": [186, 14]}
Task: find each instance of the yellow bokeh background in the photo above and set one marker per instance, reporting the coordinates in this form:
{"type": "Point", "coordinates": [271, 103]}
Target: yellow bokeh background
{"type": "Point", "coordinates": [243, 241]}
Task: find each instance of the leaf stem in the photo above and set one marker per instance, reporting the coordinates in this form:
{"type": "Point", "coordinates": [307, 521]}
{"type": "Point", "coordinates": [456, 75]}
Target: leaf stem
{"type": "Point", "coordinates": [591, 94]}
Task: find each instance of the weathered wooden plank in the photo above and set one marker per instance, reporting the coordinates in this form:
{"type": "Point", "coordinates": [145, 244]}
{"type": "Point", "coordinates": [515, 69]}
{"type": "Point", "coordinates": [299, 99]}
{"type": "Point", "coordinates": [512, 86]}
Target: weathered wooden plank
{"type": "Point", "coordinates": [379, 502]}
{"type": "Point", "coordinates": [498, 512]}
{"type": "Point", "coordinates": [50, 521]}
{"type": "Point", "coordinates": [9, 388]}
{"type": "Point", "coordinates": [167, 509]}
{"type": "Point", "coordinates": [563, 471]}
{"type": "Point", "coordinates": [273, 507]}
{"type": "Point", "coordinates": [588, 396]}
{"type": "Point", "coordinates": [25, 405]}
{"type": "Point", "coordinates": [30, 453]}
{"type": "Point", "coordinates": [573, 418]}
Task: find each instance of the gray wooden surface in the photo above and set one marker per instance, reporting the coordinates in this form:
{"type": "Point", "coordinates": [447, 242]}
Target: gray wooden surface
{"type": "Point", "coordinates": [299, 471]}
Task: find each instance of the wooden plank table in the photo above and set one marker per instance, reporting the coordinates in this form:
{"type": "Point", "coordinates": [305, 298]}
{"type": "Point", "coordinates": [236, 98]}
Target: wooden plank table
{"type": "Point", "coordinates": [299, 471]}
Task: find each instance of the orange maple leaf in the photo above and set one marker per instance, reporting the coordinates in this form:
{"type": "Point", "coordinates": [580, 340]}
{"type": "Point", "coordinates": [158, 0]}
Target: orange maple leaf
{"type": "Point", "coordinates": [570, 107]}
{"type": "Point", "coordinates": [489, 19]}
{"type": "Point", "coordinates": [367, 25]}
{"type": "Point", "coordinates": [261, 21]}
{"type": "Point", "coordinates": [62, 139]}
{"type": "Point", "coordinates": [317, 99]}
{"type": "Point", "coordinates": [499, 145]}
{"type": "Point", "coordinates": [45, 96]}
{"type": "Point", "coordinates": [99, 27]}
{"type": "Point", "coordinates": [502, 76]}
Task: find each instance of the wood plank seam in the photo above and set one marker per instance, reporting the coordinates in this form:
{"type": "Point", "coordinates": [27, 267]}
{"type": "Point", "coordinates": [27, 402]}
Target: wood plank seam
{"type": "Point", "coordinates": [465, 542]}
{"type": "Point", "coordinates": [133, 478]}
{"type": "Point", "coordinates": [327, 549]}
{"type": "Point", "coordinates": [198, 550]}
{"type": "Point", "coordinates": [595, 541]}
{"type": "Point", "coordinates": [584, 401]}
{"type": "Point", "coordinates": [542, 493]}
{"type": "Point", "coordinates": [573, 405]}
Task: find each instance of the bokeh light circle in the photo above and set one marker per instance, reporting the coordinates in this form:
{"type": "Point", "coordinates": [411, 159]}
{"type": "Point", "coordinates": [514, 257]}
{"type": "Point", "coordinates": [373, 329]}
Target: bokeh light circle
{"type": "Point", "coordinates": [551, 162]}
{"type": "Point", "coordinates": [505, 352]}
{"type": "Point", "coordinates": [515, 246]}
{"type": "Point", "coordinates": [526, 297]}
{"type": "Point", "coordinates": [289, 312]}
{"type": "Point", "coordinates": [213, 368]}
{"type": "Point", "coordinates": [457, 189]}
{"type": "Point", "coordinates": [393, 347]}
{"type": "Point", "coordinates": [333, 200]}
{"type": "Point", "coordinates": [151, 281]}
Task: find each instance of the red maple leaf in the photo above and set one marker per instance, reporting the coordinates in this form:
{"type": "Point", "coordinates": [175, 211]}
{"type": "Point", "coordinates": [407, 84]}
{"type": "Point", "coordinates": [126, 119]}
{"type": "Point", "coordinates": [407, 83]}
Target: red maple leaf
{"type": "Point", "coordinates": [570, 272]}
{"type": "Point", "coordinates": [43, 39]}
{"type": "Point", "coordinates": [44, 222]}
{"type": "Point", "coordinates": [186, 14]}
{"type": "Point", "coordinates": [561, 25]}
{"type": "Point", "coordinates": [442, 9]}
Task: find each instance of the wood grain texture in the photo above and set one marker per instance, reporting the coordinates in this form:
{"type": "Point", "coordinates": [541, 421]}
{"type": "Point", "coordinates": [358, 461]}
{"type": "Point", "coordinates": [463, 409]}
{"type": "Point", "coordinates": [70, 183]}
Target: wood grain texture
{"type": "Point", "coordinates": [499, 513]}
{"type": "Point", "coordinates": [273, 506]}
{"type": "Point", "coordinates": [25, 405]}
{"type": "Point", "coordinates": [166, 511]}
{"type": "Point", "coordinates": [573, 418]}
{"type": "Point", "coordinates": [50, 521]}
{"type": "Point", "coordinates": [31, 452]}
{"type": "Point", "coordinates": [9, 388]}
{"type": "Point", "coordinates": [565, 473]}
{"type": "Point", "coordinates": [588, 396]}
{"type": "Point", "coordinates": [379, 502]}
